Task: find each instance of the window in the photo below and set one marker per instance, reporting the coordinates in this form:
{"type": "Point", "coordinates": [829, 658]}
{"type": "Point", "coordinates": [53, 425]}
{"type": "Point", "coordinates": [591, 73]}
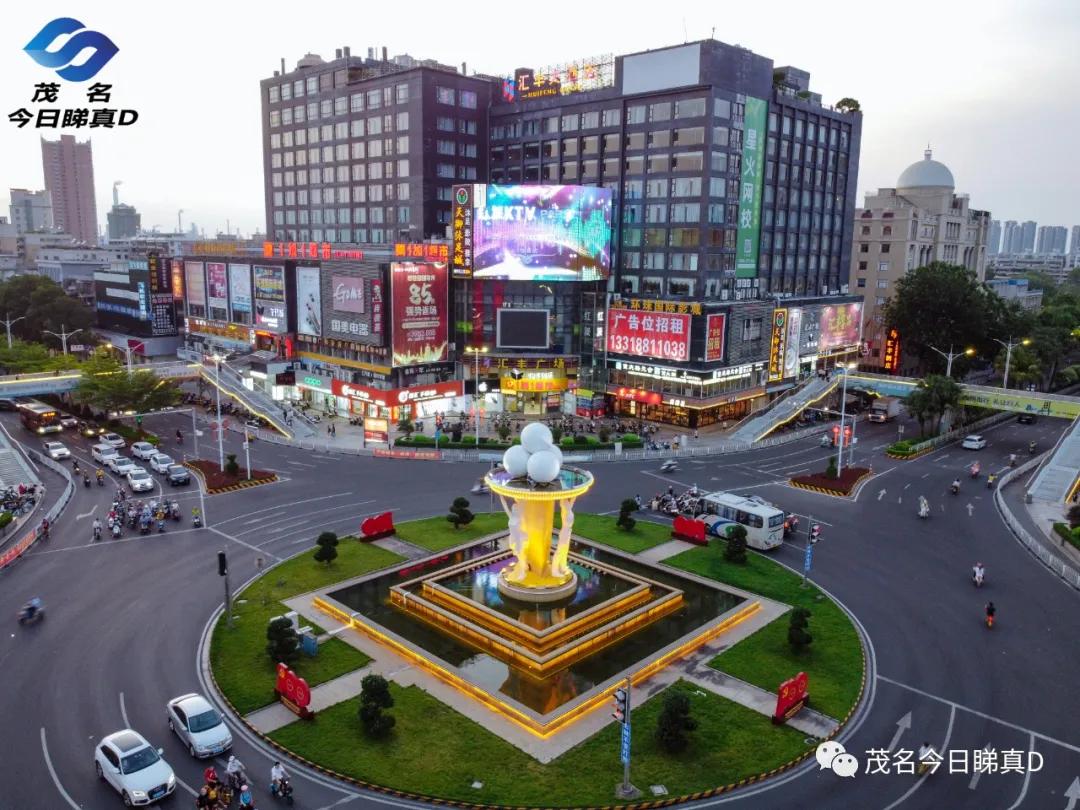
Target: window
{"type": "Point", "coordinates": [590, 120]}
{"type": "Point", "coordinates": [654, 261]}
{"type": "Point", "coordinates": [569, 171]}
{"type": "Point", "coordinates": [690, 108]}
{"type": "Point", "coordinates": [634, 165]}
{"type": "Point", "coordinates": [401, 121]}
{"type": "Point", "coordinates": [656, 213]}
{"type": "Point", "coordinates": [861, 282]}
{"type": "Point", "coordinates": [686, 212]}
{"type": "Point", "coordinates": [883, 284]}
{"type": "Point", "coordinates": [883, 267]}
{"type": "Point", "coordinates": [401, 93]}
{"type": "Point", "coordinates": [661, 111]}
{"type": "Point", "coordinates": [358, 150]}
{"type": "Point", "coordinates": [658, 163]}
{"type": "Point", "coordinates": [403, 191]}
{"type": "Point", "coordinates": [887, 231]}
{"type": "Point", "coordinates": [468, 99]}
{"type": "Point", "coordinates": [865, 230]}
{"type": "Point", "coordinates": [375, 149]}
{"type": "Point", "coordinates": [570, 147]}
{"type": "Point", "coordinates": [660, 139]}
{"type": "Point", "coordinates": [751, 329]}
{"type": "Point", "coordinates": [341, 105]}
{"type": "Point", "coordinates": [722, 108]}
{"type": "Point", "coordinates": [374, 99]}
{"type": "Point", "coordinates": [356, 102]}
{"type": "Point", "coordinates": [656, 188]}
{"type": "Point", "coordinates": [690, 136]}
{"type": "Point", "coordinates": [341, 152]}
{"type": "Point", "coordinates": [635, 114]}
{"type": "Point", "coordinates": [374, 125]}
{"type": "Point", "coordinates": [275, 94]}
{"type": "Point", "coordinates": [444, 170]}
{"type": "Point", "coordinates": [688, 162]}
{"type": "Point", "coordinates": [275, 118]}
{"type": "Point", "coordinates": [326, 107]}
{"type": "Point", "coordinates": [359, 172]}
{"type": "Point", "coordinates": [718, 162]}
{"type": "Point", "coordinates": [570, 122]}
{"type": "Point", "coordinates": [402, 144]}
{"type": "Point", "coordinates": [467, 127]}
{"type": "Point", "coordinates": [445, 95]}
{"type": "Point", "coordinates": [610, 118]}
{"type": "Point", "coordinates": [341, 130]}
{"type": "Point", "coordinates": [387, 96]}
{"type": "Point", "coordinates": [885, 247]}
{"type": "Point", "coordinates": [864, 248]}
{"type": "Point", "coordinates": [467, 150]}
{"type": "Point", "coordinates": [862, 265]}
{"type": "Point", "coordinates": [684, 237]}
{"type": "Point", "coordinates": [312, 85]}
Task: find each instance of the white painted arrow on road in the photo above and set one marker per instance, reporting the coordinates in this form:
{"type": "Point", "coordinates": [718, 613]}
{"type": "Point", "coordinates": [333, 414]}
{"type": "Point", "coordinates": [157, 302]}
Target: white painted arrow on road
{"type": "Point", "coordinates": [1073, 793]}
{"type": "Point", "coordinates": [902, 725]}
{"type": "Point", "coordinates": [975, 777]}
{"type": "Point", "coordinates": [881, 495]}
{"type": "Point", "coordinates": [88, 514]}
{"type": "Point", "coordinates": [970, 508]}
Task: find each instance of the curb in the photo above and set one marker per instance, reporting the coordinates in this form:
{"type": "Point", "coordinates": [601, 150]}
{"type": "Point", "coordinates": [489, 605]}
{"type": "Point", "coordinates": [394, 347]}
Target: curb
{"type": "Point", "coordinates": [231, 487]}
{"type": "Point", "coordinates": [832, 492]}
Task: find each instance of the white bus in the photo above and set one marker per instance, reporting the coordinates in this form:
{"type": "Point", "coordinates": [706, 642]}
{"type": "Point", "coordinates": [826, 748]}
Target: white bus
{"type": "Point", "coordinates": [764, 523]}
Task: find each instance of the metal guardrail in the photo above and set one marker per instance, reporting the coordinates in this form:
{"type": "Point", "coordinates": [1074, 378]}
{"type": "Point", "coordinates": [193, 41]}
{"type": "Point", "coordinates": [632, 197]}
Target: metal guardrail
{"type": "Point", "coordinates": [31, 536]}
{"type": "Point", "coordinates": [956, 433]}
{"type": "Point", "coordinates": [1032, 544]}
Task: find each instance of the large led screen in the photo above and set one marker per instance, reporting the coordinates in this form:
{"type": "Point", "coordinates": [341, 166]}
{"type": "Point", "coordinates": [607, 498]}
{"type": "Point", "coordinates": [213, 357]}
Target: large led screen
{"type": "Point", "coordinates": [522, 329]}
{"type": "Point", "coordinates": [840, 325]}
{"type": "Point", "coordinates": [534, 233]}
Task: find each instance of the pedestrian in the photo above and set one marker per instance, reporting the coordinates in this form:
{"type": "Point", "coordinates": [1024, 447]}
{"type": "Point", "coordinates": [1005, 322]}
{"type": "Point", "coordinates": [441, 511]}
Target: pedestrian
{"type": "Point", "coordinates": [695, 434]}
{"type": "Point", "coordinates": [333, 431]}
{"type": "Point", "coordinates": [328, 426]}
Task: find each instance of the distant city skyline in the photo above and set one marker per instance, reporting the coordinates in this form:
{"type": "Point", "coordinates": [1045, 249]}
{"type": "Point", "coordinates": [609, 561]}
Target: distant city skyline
{"type": "Point", "coordinates": [196, 146]}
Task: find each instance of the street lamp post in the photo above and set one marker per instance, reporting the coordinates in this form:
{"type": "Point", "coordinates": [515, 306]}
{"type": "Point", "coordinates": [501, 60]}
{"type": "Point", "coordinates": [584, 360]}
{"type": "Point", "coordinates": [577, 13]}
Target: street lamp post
{"type": "Point", "coordinates": [9, 322]}
{"type": "Point", "coordinates": [1008, 354]}
{"type": "Point", "coordinates": [950, 356]}
{"type": "Point", "coordinates": [840, 438]}
{"type": "Point", "coordinates": [220, 430]}
{"type": "Point", "coordinates": [63, 334]}
{"type": "Point", "coordinates": [476, 351]}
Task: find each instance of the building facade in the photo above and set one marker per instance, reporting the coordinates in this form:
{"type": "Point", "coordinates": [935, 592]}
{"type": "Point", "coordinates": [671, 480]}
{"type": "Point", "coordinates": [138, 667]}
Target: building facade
{"type": "Point", "coordinates": [1056, 266]}
{"type": "Point", "coordinates": [922, 220]}
{"type": "Point", "coordinates": [1028, 232]}
{"type": "Point", "coordinates": [1074, 240]}
{"type": "Point", "coordinates": [69, 178]}
{"type": "Point", "coordinates": [31, 211]}
{"type": "Point", "coordinates": [1017, 289]}
{"type": "Point", "coordinates": [1052, 239]}
{"type": "Point", "coordinates": [993, 241]}
{"type": "Point", "coordinates": [124, 222]}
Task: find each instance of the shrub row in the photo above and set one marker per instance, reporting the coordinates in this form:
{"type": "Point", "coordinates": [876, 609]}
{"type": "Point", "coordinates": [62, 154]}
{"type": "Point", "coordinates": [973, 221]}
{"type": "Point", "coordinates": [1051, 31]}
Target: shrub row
{"type": "Point", "coordinates": [629, 442]}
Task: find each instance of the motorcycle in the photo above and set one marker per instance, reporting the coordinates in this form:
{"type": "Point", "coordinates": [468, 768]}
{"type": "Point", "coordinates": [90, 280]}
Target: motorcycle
{"type": "Point", "coordinates": [196, 520]}
{"type": "Point", "coordinates": [116, 530]}
{"type": "Point", "coordinates": [977, 579]}
{"type": "Point", "coordinates": [669, 466]}
{"type": "Point", "coordinates": [86, 481]}
{"type": "Point", "coordinates": [282, 789]}
{"type": "Point", "coordinates": [955, 487]}
{"type": "Point", "coordinates": [990, 479]}
{"type": "Point", "coordinates": [974, 470]}
{"type": "Point", "coordinates": [924, 508]}
{"type": "Point", "coordinates": [161, 525]}
{"type": "Point", "coordinates": [29, 616]}
{"type": "Point", "coordinates": [174, 511]}
{"type": "Point", "coordinates": [97, 533]}
{"type": "Point", "coordinates": [1031, 448]}
{"type": "Point", "coordinates": [101, 480]}
{"type": "Point", "coordinates": [1012, 460]}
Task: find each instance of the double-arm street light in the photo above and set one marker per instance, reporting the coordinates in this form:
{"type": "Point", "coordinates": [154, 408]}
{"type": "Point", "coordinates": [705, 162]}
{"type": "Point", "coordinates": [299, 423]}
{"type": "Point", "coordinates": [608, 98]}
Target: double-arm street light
{"type": "Point", "coordinates": [63, 335]}
{"type": "Point", "coordinates": [476, 351]}
{"type": "Point", "coordinates": [843, 412]}
{"type": "Point", "coordinates": [9, 322]}
{"type": "Point", "coordinates": [1012, 344]}
{"type": "Point", "coordinates": [950, 356]}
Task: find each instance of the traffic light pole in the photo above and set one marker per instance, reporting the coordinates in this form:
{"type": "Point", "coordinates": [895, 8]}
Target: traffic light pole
{"type": "Point", "coordinates": [223, 571]}
{"type": "Point", "coordinates": [622, 707]}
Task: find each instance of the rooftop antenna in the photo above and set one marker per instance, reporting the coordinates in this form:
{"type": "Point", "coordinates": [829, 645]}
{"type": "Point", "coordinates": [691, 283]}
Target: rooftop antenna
{"type": "Point", "coordinates": [685, 37]}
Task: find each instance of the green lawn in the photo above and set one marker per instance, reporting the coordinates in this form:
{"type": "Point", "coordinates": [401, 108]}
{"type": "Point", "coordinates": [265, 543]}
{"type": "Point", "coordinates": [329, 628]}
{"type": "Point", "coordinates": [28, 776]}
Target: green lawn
{"type": "Point", "coordinates": [438, 752]}
{"type": "Point", "coordinates": [833, 661]}
{"type": "Point", "coordinates": [437, 533]}
{"type": "Point", "coordinates": [243, 670]}
{"type": "Point", "coordinates": [602, 529]}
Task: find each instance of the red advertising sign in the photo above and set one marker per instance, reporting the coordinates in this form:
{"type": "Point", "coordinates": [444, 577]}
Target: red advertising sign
{"type": "Point", "coordinates": [308, 250]}
{"type": "Point", "coordinates": [790, 698]}
{"type": "Point", "coordinates": [890, 358]}
{"type": "Point", "coordinates": [418, 294]}
{"type": "Point", "coordinates": [391, 397]}
{"type": "Point", "coordinates": [425, 251]}
{"type": "Point", "coordinates": [376, 308]}
{"type": "Point", "coordinates": [714, 338]}
{"type": "Point", "coordinates": [664, 336]}
{"type": "Point", "coordinates": [377, 526]}
{"type": "Point", "coordinates": [693, 531]}
{"type": "Point", "coordinates": [293, 692]}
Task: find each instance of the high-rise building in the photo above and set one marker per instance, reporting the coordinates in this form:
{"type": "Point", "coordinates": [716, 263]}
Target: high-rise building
{"type": "Point", "coordinates": [1011, 237]}
{"type": "Point", "coordinates": [124, 221]}
{"type": "Point", "coordinates": [69, 178]}
{"type": "Point", "coordinates": [1052, 239]}
{"type": "Point", "coordinates": [1074, 241]}
{"type": "Point", "coordinates": [1027, 237]}
{"type": "Point", "coordinates": [993, 242]}
{"type": "Point", "coordinates": [922, 220]}
{"type": "Point", "coordinates": [31, 211]}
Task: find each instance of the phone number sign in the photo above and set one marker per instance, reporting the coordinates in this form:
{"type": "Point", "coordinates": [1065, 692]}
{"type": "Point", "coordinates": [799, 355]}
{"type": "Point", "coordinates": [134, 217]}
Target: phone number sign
{"type": "Point", "coordinates": [663, 336]}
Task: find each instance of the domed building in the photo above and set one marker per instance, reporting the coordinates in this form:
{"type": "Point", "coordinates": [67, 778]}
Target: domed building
{"type": "Point", "coordinates": [921, 220]}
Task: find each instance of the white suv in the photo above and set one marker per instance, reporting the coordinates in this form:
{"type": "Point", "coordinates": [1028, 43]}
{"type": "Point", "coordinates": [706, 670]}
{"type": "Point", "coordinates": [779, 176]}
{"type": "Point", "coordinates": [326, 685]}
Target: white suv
{"type": "Point", "coordinates": [134, 768]}
{"type": "Point", "coordinates": [160, 462]}
{"type": "Point", "coordinates": [101, 453]}
{"type": "Point", "coordinates": [143, 450]}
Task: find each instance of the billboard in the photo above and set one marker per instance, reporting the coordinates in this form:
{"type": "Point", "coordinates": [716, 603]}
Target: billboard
{"type": "Point", "coordinates": [522, 329]}
{"type": "Point", "coordinates": [890, 358]}
{"type": "Point", "coordinates": [419, 303]}
{"type": "Point", "coordinates": [217, 290]}
{"type": "Point", "coordinates": [532, 233]}
{"type": "Point", "coordinates": [351, 298]}
{"type": "Point", "coordinates": [124, 301]}
{"type": "Point", "coordinates": [349, 294]}
{"type": "Point", "coordinates": [270, 283]}
{"type": "Point", "coordinates": [778, 344]}
{"type": "Point", "coordinates": [240, 288]}
{"type": "Point", "coordinates": [714, 337]}
{"type": "Point", "coordinates": [791, 350]}
{"type": "Point", "coordinates": [663, 336]}
{"type": "Point", "coordinates": [753, 171]}
{"type": "Point", "coordinates": [177, 274]}
{"type": "Point", "coordinates": [840, 325]}
{"type": "Point", "coordinates": [308, 301]}
{"type": "Point", "coordinates": [194, 284]}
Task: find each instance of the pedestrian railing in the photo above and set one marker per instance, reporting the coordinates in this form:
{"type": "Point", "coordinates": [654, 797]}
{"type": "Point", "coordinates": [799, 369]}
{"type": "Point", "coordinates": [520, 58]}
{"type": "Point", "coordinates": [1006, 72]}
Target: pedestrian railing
{"type": "Point", "coordinates": [1033, 544]}
{"type": "Point", "coordinates": [31, 536]}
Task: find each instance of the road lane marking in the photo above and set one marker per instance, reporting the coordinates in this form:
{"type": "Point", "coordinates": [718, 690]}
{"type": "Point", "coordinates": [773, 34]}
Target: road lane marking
{"type": "Point", "coordinates": [299, 520]}
{"type": "Point", "coordinates": [301, 464]}
{"type": "Point", "coordinates": [944, 747]}
{"type": "Point", "coordinates": [1027, 777]}
{"type": "Point", "coordinates": [974, 781]}
{"type": "Point", "coordinates": [264, 517]}
{"type": "Point", "coordinates": [256, 549]}
{"type": "Point", "coordinates": [335, 521]}
{"type": "Point", "coordinates": [272, 508]}
{"type": "Point", "coordinates": [123, 711]}
{"type": "Point", "coordinates": [983, 715]}
{"type": "Point", "coordinates": [902, 725]}
{"type": "Point", "coordinates": [87, 514]}
{"type": "Point", "coordinates": [52, 773]}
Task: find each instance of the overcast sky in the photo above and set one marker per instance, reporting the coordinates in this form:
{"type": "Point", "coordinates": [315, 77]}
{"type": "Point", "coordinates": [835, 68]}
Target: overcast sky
{"type": "Point", "coordinates": [991, 85]}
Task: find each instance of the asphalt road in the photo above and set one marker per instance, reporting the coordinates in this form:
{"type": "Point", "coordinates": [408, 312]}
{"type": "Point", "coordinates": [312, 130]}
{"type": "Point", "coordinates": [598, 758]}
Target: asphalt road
{"type": "Point", "coordinates": [125, 618]}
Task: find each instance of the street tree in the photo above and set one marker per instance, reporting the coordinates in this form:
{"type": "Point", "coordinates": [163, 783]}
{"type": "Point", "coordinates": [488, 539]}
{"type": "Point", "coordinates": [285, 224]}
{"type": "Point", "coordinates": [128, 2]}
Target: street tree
{"type": "Point", "coordinates": [735, 548]}
{"type": "Point", "coordinates": [798, 636]}
{"type": "Point", "coordinates": [107, 386]}
{"type": "Point", "coordinates": [326, 552]}
{"type": "Point", "coordinates": [942, 393]}
{"type": "Point", "coordinates": [1024, 366]}
{"type": "Point", "coordinates": [27, 358]}
{"type": "Point", "coordinates": [918, 406]}
{"type": "Point", "coordinates": [625, 520]}
{"type": "Point", "coordinates": [674, 722]}
{"type": "Point", "coordinates": [43, 305]}
{"type": "Point", "coordinates": [282, 642]}
{"type": "Point", "coordinates": [374, 697]}
{"type": "Point", "coordinates": [459, 513]}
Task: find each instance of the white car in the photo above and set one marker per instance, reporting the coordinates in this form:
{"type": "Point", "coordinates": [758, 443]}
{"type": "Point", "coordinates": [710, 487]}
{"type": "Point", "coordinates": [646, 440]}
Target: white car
{"type": "Point", "coordinates": [198, 725]}
{"type": "Point", "coordinates": [102, 453]}
{"type": "Point", "coordinates": [113, 440]}
{"type": "Point", "coordinates": [973, 442]}
{"type": "Point", "coordinates": [56, 450]}
{"type": "Point", "coordinates": [125, 760]}
{"type": "Point", "coordinates": [120, 465]}
{"type": "Point", "coordinates": [160, 462]}
{"type": "Point", "coordinates": [69, 421]}
{"type": "Point", "coordinates": [140, 480]}
{"type": "Point", "coordinates": [143, 450]}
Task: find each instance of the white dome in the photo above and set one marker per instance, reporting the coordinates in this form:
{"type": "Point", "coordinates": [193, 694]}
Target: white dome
{"type": "Point", "coordinates": [926, 172]}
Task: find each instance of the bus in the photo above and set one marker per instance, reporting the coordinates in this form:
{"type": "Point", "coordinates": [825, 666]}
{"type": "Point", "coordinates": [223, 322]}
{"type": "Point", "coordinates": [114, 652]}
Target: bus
{"type": "Point", "coordinates": [764, 523]}
{"type": "Point", "coordinates": [39, 417]}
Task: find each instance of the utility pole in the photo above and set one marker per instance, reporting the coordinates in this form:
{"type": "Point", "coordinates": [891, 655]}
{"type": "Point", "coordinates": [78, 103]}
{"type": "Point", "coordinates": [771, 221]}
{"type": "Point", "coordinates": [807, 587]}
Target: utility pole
{"type": "Point", "coordinates": [63, 334]}
{"type": "Point", "coordinates": [8, 322]}
{"type": "Point", "coordinates": [247, 452]}
{"type": "Point", "coordinates": [220, 429]}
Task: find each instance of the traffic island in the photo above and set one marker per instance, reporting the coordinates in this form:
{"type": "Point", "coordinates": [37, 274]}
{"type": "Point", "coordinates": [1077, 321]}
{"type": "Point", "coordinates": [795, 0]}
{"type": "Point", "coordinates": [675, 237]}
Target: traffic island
{"type": "Point", "coordinates": [216, 482]}
{"type": "Point", "coordinates": [841, 485]}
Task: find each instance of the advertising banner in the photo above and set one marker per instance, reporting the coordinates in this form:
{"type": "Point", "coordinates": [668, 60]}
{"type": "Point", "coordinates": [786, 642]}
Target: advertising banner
{"type": "Point", "coordinates": [791, 351]}
{"type": "Point", "coordinates": [890, 358]}
{"type": "Point", "coordinates": [177, 268]}
{"type": "Point", "coordinates": [160, 278]}
{"type": "Point", "coordinates": [714, 338]}
{"type": "Point", "coordinates": [351, 299]}
{"type": "Point", "coordinates": [753, 171]}
{"type": "Point", "coordinates": [649, 334]}
{"type": "Point", "coordinates": [376, 430]}
{"type": "Point", "coordinates": [240, 287]}
{"type": "Point", "coordinates": [840, 326]}
{"type": "Point", "coordinates": [419, 298]}
{"type": "Point", "coordinates": [778, 344]}
{"type": "Point", "coordinates": [217, 285]}
{"type": "Point", "coordinates": [349, 294]}
{"type": "Point", "coordinates": [195, 284]}
{"type": "Point", "coordinates": [308, 302]}
{"type": "Point", "coordinates": [462, 222]}
{"type": "Point", "coordinates": [122, 298]}
{"type": "Point", "coordinates": [392, 397]}
{"type": "Point", "coordinates": [270, 283]}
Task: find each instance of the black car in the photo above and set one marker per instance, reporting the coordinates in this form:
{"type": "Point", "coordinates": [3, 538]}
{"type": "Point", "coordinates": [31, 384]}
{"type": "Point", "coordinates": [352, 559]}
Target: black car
{"type": "Point", "coordinates": [8, 405]}
{"type": "Point", "coordinates": [90, 430]}
{"type": "Point", "coordinates": [178, 475]}
{"type": "Point", "coordinates": [1026, 419]}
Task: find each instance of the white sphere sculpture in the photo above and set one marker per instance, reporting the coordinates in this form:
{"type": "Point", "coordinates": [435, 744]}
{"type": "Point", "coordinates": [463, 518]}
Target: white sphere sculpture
{"type": "Point", "coordinates": [535, 437]}
{"type": "Point", "coordinates": [543, 467]}
{"type": "Point", "coordinates": [516, 461]}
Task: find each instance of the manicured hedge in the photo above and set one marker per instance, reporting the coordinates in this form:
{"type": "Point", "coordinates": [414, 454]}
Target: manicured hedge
{"type": "Point", "coordinates": [469, 443]}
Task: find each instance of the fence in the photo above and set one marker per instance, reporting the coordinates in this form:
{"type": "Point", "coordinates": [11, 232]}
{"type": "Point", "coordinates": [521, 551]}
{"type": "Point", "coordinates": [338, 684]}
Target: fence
{"type": "Point", "coordinates": [28, 539]}
{"type": "Point", "coordinates": [1033, 544]}
{"type": "Point", "coordinates": [956, 433]}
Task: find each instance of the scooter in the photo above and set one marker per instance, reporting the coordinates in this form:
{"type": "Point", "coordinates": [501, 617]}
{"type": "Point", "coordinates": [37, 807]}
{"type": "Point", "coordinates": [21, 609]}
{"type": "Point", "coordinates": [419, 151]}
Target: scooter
{"type": "Point", "coordinates": [924, 508]}
{"type": "Point", "coordinates": [974, 470]}
{"type": "Point", "coordinates": [161, 525]}
{"type": "Point", "coordinates": [86, 481]}
{"type": "Point", "coordinates": [669, 466]}
{"type": "Point", "coordinates": [174, 511]}
{"type": "Point", "coordinates": [196, 520]}
{"type": "Point", "coordinates": [282, 790]}
{"type": "Point", "coordinates": [977, 579]}
{"type": "Point", "coordinates": [116, 530]}
{"type": "Point", "coordinates": [25, 616]}
{"type": "Point", "coordinates": [990, 479]}
{"type": "Point", "coordinates": [955, 487]}
{"type": "Point", "coordinates": [97, 533]}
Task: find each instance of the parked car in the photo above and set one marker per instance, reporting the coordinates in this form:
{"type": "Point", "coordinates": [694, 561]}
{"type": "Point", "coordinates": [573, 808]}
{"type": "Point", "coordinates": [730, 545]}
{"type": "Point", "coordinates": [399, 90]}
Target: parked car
{"type": "Point", "coordinates": [113, 440]}
{"type": "Point", "coordinates": [90, 430]}
{"type": "Point", "coordinates": [120, 465]}
{"type": "Point", "coordinates": [56, 450]}
{"type": "Point", "coordinates": [143, 450]}
{"type": "Point", "coordinates": [973, 442]}
{"type": "Point", "coordinates": [198, 725]}
{"type": "Point", "coordinates": [101, 453]}
{"type": "Point", "coordinates": [140, 480]}
{"type": "Point", "coordinates": [134, 768]}
{"type": "Point", "coordinates": [178, 475]}
{"type": "Point", "coordinates": [160, 462]}
{"type": "Point", "coordinates": [68, 421]}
